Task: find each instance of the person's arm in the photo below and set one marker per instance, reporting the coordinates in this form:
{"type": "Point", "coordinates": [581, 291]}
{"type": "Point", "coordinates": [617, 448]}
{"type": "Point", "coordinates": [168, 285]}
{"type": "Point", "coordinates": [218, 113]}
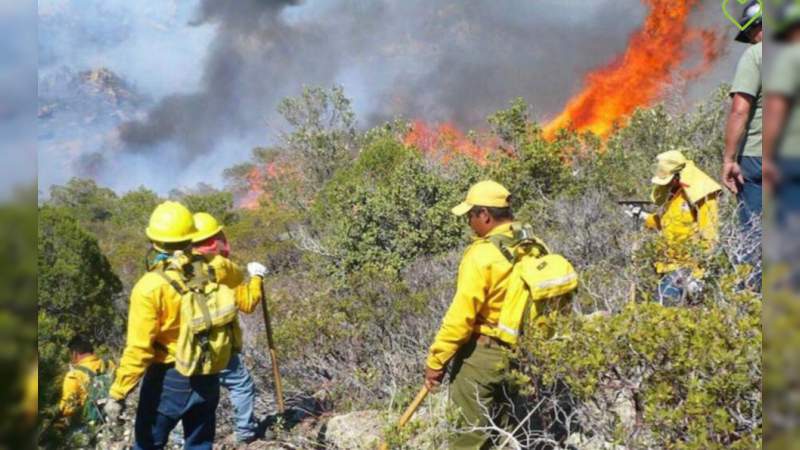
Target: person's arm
{"type": "Point", "coordinates": [71, 393]}
{"type": "Point", "coordinates": [143, 326]}
{"type": "Point", "coordinates": [459, 321]}
{"type": "Point", "coordinates": [738, 117]}
{"type": "Point", "coordinates": [776, 111]}
{"type": "Point", "coordinates": [249, 294]}
{"type": "Point", "coordinates": [228, 272]}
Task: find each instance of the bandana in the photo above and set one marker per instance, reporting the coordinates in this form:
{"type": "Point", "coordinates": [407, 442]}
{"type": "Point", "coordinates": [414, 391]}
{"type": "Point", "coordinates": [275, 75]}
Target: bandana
{"type": "Point", "coordinates": [215, 245]}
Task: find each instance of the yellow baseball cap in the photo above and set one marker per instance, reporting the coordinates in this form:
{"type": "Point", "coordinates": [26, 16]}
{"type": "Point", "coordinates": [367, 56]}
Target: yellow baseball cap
{"type": "Point", "coordinates": [669, 163]}
{"type": "Point", "coordinates": [485, 193]}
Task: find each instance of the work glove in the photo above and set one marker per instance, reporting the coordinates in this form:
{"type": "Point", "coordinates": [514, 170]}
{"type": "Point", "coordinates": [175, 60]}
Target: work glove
{"type": "Point", "coordinates": [634, 211]}
{"type": "Point", "coordinates": [433, 378]}
{"type": "Point", "coordinates": [113, 409]}
{"type": "Point", "coordinates": [256, 269]}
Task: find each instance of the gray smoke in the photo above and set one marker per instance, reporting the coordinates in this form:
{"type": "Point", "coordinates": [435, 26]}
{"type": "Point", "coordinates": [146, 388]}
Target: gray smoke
{"type": "Point", "coordinates": [438, 60]}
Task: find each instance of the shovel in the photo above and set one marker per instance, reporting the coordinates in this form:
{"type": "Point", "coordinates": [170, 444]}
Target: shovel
{"type": "Point", "coordinates": [276, 374]}
{"type": "Point", "coordinates": [412, 408]}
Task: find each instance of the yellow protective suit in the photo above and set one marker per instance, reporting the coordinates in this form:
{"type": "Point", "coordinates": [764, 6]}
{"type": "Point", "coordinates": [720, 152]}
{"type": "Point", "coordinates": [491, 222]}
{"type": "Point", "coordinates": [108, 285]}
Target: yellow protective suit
{"type": "Point", "coordinates": [75, 387]}
{"type": "Point", "coordinates": [154, 321]}
{"type": "Point", "coordinates": [483, 278]}
{"type": "Point", "coordinates": [687, 217]}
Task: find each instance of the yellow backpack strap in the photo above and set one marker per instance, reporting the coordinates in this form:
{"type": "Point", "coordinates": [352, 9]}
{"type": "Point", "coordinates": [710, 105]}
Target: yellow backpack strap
{"type": "Point", "coordinates": [504, 244]}
{"type": "Point", "coordinates": [521, 243]}
{"type": "Point", "coordinates": [182, 290]}
{"type": "Point", "coordinates": [171, 281]}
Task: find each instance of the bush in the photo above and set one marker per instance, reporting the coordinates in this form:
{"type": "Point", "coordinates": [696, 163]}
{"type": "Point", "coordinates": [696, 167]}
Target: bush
{"type": "Point", "coordinates": [693, 373]}
{"type": "Point", "coordinates": [77, 289]}
{"type": "Point", "coordinates": [387, 209]}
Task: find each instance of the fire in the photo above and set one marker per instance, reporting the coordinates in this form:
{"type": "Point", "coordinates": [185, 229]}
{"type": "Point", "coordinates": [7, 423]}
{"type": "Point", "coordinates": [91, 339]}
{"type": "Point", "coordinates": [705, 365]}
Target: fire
{"type": "Point", "coordinates": [444, 141]}
{"type": "Point", "coordinates": [637, 77]}
{"type": "Point", "coordinates": [255, 180]}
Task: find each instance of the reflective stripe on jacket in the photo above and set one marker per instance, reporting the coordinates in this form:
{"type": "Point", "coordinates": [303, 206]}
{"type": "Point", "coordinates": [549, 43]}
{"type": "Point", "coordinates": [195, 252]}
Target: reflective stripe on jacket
{"type": "Point", "coordinates": [154, 321]}
{"type": "Point", "coordinates": [483, 277]}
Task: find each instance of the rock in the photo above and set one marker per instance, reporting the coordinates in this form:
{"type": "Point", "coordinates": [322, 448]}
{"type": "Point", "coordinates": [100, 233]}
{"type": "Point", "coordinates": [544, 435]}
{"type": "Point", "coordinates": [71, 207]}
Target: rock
{"type": "Point", "coordinates": [355, 431]}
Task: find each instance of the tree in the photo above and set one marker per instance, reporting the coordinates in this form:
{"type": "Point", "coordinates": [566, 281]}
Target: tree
{"type": "Point", "coordinates": [77, 289]}
{"type": "Point", "coordinates": [323, 130]}
{"type": "Point", "coordinates": [87, 200]}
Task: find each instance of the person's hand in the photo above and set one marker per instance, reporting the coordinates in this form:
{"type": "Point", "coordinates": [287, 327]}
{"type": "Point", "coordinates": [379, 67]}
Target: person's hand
{"type": "Point", "coordinates": [634, 211]}
{"type": "Point", "coordinates": [113, 409]}
{"type": "Point", "coordinates": [433, 378]}
{"type": "Point", "coordinates": [732, 176]}
{"type": "Point", "coordinates": [256, 269]}
{"type": "Point", "coordinates": [770, 175]}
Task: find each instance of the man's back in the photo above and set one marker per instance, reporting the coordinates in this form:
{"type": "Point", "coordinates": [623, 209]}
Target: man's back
{"type": "Point", "coordinates": [76, 384]}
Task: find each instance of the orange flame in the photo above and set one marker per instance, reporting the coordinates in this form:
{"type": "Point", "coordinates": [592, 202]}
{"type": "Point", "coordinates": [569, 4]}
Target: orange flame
{"type": "Point", "coordinates": [255, 179]}
{"type": "Point", "coordinates": [638, 76]}
{"type": "Point", "coordinates": [444, 141]}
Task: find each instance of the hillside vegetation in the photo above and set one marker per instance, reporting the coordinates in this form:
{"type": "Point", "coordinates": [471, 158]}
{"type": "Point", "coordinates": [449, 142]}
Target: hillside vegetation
{"type": "Point", "coordinates": [356, 231]}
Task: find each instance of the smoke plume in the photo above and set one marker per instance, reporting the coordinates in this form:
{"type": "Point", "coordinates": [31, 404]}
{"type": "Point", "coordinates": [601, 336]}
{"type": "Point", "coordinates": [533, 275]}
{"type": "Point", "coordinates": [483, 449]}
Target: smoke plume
{"type": "Point", "coordinates": [434, 60]}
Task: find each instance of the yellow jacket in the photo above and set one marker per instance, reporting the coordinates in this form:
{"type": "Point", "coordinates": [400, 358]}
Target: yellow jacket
{"type": "Point", "coordinates": [684, 224]}
{"type": "Point", "coordinates": [31, 399]}
{"type": "Point", "coordinates": [482, 282]}
{"type": "Point", "coordinates": [75, 387]}
{"type": "Point", "coordinates": [154, 321]}
{"type": "Point", "coordinates": [230, 274]}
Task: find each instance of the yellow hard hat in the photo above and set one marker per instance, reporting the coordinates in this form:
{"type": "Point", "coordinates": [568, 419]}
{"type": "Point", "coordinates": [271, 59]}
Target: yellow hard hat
{"type": "Point", "coordinates": [486, 193]}
{"type": "Point", "coordinates": [170, 222]}
{"type": "Point", "coordinates": [206, 226]}
{"type": "Point", "coordinates": [669, 163]}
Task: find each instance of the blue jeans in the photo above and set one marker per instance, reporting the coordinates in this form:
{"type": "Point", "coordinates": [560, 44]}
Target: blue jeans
{"type": "Point", "coordinates": [787, 194]}
{"type": "Point", "coordinates": [240, 384]}
{"type": "Point", "coordinates": [672, 288]}
{"type": "Point", "coordinates": [751, 196]}
{"type": "Point", "coordinates": [166, 398]}
{"type": "Point", "coordinates": [750, 214]}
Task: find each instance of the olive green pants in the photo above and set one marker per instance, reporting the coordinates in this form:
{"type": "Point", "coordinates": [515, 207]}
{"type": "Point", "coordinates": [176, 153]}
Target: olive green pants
{"type": "Point", "coordinates": [478, 387]}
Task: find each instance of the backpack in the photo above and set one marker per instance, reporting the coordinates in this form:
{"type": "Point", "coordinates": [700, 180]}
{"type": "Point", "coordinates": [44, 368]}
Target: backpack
{"type": "Point", "coordinates": [96, 392]}
{"type": "Point", "coordinates": [541, 284]}
{"type": "Point", "coordinates": [208, 315]}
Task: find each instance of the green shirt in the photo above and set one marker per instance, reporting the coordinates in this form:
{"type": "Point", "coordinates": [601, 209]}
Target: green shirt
{"type": "Point", "coordinates": [785, 80]}
{"type": "Point", "coordinates": [748, 81]}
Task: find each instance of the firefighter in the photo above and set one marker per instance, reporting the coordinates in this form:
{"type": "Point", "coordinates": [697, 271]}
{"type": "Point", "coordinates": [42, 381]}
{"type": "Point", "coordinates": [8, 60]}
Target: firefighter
{"type": "Point", "coordinates": [210, 241]}
{"type": "Point", "coordinates": [85, 367]}
{"type": "Point", "coordinates": [477, 361]}
{"type": "Point", "coordinates": [686, 198]}
{"type": "Point", "coordinates": [166, 396]}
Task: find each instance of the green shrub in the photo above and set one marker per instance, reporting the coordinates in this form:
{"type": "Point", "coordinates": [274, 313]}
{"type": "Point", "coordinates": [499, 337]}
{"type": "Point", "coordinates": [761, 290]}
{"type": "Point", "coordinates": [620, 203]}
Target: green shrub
{"type": "Point", "coordinates": [77, 289]}
{"type": "Point", "coordinates": [694, 373]}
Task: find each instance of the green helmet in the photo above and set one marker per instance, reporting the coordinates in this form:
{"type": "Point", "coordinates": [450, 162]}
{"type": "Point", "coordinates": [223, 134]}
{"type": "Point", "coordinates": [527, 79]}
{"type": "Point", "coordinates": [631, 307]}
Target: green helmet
{"type": "Point", "coordinates": [752, 12]}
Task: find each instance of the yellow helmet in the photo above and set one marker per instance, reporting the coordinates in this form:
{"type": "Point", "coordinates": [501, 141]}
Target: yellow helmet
{"type": "Point", "coordinates": [206, 225]}
{"type": "Point", "coordinates": [170, 222]}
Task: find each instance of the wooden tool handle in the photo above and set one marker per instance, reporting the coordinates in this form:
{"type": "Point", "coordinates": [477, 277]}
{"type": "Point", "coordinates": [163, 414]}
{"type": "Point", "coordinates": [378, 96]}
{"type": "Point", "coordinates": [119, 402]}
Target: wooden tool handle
{"type": "Point", "coordinates": [412, 408]}
{"type": "Point", "coordinates": [276, 373]}
{"type": "Point", "coordinates": [409, 412]}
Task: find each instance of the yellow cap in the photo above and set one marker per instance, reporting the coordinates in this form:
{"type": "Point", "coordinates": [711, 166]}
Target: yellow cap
{"type": "Point", "coordinates": [486, 193]}
{"type": "Point", "coordinates": [206, 225]}
{"type": "Point", "coordinates": [170, 222]}
{"type": "Point", "coordinates": [669, 163]}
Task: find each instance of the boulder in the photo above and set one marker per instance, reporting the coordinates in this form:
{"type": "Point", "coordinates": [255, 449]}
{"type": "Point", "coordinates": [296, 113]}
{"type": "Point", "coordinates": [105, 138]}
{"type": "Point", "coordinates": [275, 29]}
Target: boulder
{"type": "Point", "coordinates": [359, 430]}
